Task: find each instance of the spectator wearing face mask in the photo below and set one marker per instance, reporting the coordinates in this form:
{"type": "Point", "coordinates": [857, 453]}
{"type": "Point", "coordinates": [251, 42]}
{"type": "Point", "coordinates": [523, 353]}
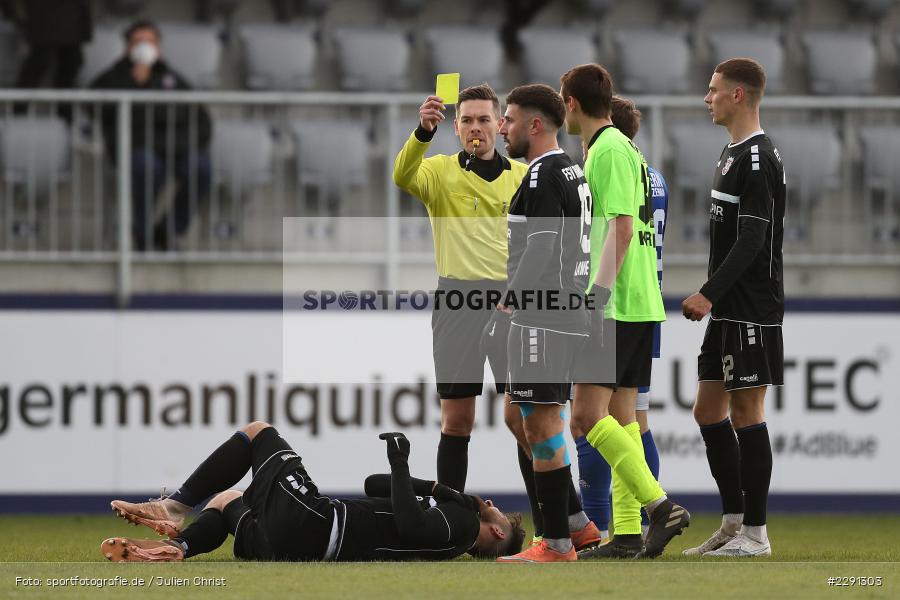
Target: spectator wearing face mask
{"type": "Point", "coordinates": [166, 140]}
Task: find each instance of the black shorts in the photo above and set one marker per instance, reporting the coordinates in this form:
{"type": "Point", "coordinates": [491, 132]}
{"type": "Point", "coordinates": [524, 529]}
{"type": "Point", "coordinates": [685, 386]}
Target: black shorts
{"type": "Point", "coordinates": [456, 340]}
{"type": "Point", "coordinates": [540, 364]}
{"type": "Point", "coordinates": [281, 516]}
{"type": "Point", "coordinates": [742, 355]}
{"type": "Point", "coordinates": [628, 345]}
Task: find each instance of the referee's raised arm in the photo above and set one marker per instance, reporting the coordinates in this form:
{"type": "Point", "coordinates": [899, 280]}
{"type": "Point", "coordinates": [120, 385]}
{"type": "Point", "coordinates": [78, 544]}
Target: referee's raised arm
{"type": "Point", "coordinates": [467, 197]}
{"type": "Point", "coordinates": [410, 174]}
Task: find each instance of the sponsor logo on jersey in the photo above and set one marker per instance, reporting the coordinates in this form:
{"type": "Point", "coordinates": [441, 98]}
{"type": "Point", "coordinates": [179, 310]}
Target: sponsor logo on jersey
{"type": "Point", "coordinates": [750, 378]}
{"type": "Point", "coordinates": [727, 164]}
{"type": "Point", "coordinates": [523, 393]}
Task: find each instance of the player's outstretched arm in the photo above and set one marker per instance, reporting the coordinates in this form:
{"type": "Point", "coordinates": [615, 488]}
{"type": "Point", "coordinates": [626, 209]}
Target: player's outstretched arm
{"type": "Point", "coordinates": [413, 522]}
{"type": "Point", "coordinates": [379, 486]}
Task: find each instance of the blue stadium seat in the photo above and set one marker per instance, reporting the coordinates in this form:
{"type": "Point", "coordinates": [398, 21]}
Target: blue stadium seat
{"type": "Point", "coordinates": [764, 46]}
{"type": "Point", "coordinates": [280, 57]}
{"type": "Point", "coordinates": [652, 61]}
{"type": "Point", "coordinates": [372, 59]}
{"type": "Point", "coordinates": [840, 62]}
{"type": "Point", "coordinates": [548, 52]}
{"type": "Point", "coordinates": [474, 52]}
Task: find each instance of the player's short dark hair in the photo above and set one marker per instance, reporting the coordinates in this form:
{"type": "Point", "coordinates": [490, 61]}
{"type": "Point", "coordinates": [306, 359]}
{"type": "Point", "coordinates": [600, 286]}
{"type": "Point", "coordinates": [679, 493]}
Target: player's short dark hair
{"type": "Point", "coordinates": [141, 24]}
{"type": "Point", "coordinates": [541, 98]}
{"type": "Point", "coordinates": [511, 545]}
{"type": "Point", "coordinates": [482, 91]}
{"type": "Point", "coordinates": [625, 116]}
{"type": "Point", "coordinates": [592, 86]}
{"type": "Point", "coordinates": [747, 73]}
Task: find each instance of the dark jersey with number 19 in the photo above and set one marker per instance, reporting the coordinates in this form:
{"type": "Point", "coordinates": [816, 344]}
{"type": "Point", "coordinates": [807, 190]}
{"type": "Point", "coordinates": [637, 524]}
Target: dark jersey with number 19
{"type": "Point", "coordinates": [749, 185]}
{"type": "Point", "coordinates": [552, 200]}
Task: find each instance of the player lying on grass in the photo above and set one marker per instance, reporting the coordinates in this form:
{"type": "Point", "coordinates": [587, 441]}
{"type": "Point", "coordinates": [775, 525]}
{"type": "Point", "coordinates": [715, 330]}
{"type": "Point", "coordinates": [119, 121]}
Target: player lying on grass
{"type": "Point", "coordinates": [282, 516]}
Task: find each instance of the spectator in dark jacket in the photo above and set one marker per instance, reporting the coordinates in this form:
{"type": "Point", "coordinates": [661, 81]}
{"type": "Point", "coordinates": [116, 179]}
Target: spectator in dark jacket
{"type": "Point", "coordinates": [164, 138]}
{"type": "Point", "coordinates": [55, 30]}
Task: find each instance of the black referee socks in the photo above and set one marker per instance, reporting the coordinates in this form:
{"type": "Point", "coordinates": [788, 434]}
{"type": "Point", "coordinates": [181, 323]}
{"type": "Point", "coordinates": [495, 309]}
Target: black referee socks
{"type": "Point", "coordinates": [206, 533]}
{"type": "Point", "coordinates": [526, 466]}
{"type": "Point", "coordinates": [220, 471]}
{"type": "Point", "coordinates": [553, 494]}
{"type": "Point", "coordinates": [453, 461]}
{"type": "Point", "coordinates": [724, 457]}
{"type": "Point", "coordinates": [756, 471]}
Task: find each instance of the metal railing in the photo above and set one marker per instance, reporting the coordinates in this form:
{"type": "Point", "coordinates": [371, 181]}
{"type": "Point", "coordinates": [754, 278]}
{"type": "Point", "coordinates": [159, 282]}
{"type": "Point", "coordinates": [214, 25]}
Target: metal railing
{"type": "Point", "coordinates": [75, 204]}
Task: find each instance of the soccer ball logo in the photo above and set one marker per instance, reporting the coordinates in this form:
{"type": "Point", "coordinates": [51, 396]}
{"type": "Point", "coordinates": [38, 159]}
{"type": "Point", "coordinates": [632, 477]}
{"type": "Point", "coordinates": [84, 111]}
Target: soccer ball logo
{"type": "Point", "coordinates": [348, 300]}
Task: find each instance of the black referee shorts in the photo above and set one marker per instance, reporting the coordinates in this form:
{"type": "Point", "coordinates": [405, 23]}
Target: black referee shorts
{"type": "Point", "coordinates": [621, 355]}
{"type": "Point", "coordinates": [281, 515]}
{"type": "Point", "coordinates": [742, 355]}
{"type": "Point", "coordinates": [456, 339]}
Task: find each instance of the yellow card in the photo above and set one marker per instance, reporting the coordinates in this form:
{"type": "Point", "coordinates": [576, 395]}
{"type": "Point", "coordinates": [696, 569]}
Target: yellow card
{"type": "Point", "coordinates": [448, 87]}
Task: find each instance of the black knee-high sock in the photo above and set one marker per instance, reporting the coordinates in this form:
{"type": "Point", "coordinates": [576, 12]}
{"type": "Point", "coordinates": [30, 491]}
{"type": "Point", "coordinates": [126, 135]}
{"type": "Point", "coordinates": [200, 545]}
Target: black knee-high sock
{"type": "Point", "coordinates": [453, 461]}
{"type": "Point", "coordinates": [574, 500]}
{"type": "Point", "coordinates": [724, 457]}
{"type": "Point", "coordinates": [553, 494]}
{"type": "Point", "coordinates": [206, 533]}
{"type": "Point", "coordinates": [526, 466]}
{"type": "Point", "coordinates": [756, 471]}
{"type": "Point", "coordinates": [221, 470]}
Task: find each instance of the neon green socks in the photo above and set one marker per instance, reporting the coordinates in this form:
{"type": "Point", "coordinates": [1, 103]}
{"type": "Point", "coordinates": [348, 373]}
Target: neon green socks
{"type": "Point", "coordinates": [625, 455]}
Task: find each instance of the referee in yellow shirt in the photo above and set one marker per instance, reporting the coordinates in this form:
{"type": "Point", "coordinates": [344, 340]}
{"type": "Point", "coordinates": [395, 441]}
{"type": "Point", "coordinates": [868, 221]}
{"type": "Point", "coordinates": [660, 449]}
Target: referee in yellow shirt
{"type": "Point", "coordinates": [467, 196]}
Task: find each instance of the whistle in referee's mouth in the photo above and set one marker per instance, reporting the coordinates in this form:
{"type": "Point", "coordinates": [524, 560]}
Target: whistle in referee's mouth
{"type": "Point", "coordinates": [475, 143]}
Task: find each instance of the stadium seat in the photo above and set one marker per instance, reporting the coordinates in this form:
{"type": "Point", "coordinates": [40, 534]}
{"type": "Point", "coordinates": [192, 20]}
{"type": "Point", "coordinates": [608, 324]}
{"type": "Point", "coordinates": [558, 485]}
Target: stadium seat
{"type": "Point", "coordinates": [372, 59]}
{"type": "Point", "coordinates": [445, 142]}
{"type": "Point", "coordinates": [695, 148]}
{"type": "Point", "coordinates": [106, 47]}
{"type": "Point", "coordinates": [840, 62]}
{"type": "Point", "coordinates": [653, 61]}
{"type": "Point", "coordinates": [195, 51]}
{"type": "Point", "coordinates": [474, 52]}
{"type": "Point", "coordinates": [323, 144]}
{"type": "Point", "coordinates": [812, 165]}
{"type": "Point", "coordinates": [242, 158]}
{"type": "Point", "coordinates": [35, 153]}
{"type": "Point", "coordinates": [550, 52]}
{"type": "Point", "coordinates": [279, 57]}
{"type": "Point", "coordinates": [242, 153]}
{"type": "Point", "coordinates": [9, 43]}
{"type": "Point", "coordinates": [764, 46]}
{"type": "Point", "coordinates": [881, 179]}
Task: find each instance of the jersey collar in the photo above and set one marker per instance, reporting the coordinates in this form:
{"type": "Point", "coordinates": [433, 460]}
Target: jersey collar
{"type": "Point", "coordinates": [752, 135]}
{"type": "Point", "coordinates": [489, 170]}
{"type": "Point", "coordinates": [597, 135]}
{"type": "Point", "coordinates": [547, 153]}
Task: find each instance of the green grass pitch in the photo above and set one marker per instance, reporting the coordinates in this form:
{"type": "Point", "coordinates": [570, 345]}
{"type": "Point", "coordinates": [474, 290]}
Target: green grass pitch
{"type": "Point", "coordinates": [808, 550]}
